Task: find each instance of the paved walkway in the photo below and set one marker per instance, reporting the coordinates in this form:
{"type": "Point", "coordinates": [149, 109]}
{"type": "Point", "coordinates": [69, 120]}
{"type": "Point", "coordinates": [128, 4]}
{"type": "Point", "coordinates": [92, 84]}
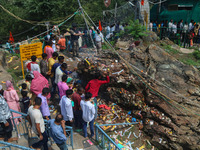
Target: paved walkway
{"type": "Point", "coordinates": [80, 143]}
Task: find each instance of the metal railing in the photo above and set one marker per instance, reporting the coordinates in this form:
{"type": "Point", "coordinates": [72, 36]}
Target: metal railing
{"type": "Point", "coordinates": [68, 129]}
{"type": "Point", "coordinates": [105, 142]}
{"type": "Point", "coordinates": [6, 145]}
{"type": "Point", "coordinates": [23, 128]}
{"type": "Point", "coordinates": [177, 35]}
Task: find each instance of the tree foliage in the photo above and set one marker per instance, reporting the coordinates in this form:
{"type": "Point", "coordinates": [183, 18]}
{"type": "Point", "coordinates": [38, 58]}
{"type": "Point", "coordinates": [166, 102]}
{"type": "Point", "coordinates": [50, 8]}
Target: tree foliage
{"type": "Point", "coordinates": [134, 29]}
{"type": "Point", "coordinates": [46, 10]}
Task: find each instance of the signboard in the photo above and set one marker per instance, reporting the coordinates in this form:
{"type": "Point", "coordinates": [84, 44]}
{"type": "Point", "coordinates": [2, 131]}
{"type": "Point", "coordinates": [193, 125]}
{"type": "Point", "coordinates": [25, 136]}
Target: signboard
{"type": "Point", "coordinates": [26, 51]}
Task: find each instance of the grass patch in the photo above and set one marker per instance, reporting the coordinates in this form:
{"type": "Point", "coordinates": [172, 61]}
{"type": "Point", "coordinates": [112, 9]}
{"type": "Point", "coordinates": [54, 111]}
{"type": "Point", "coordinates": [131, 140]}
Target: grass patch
{"type": "Point", "coordinates": [196, 54]}
{"type": "Point", "coordinates": [16, 74]}
{"type": "Point", "coordinates": [170, 50]}
{"type": "Point", "coordinates": [189, 61]}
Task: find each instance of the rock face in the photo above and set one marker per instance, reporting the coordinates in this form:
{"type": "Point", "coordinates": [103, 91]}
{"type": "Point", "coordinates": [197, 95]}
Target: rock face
{"type": "Point", "coordinates": [160, 91]}
{"type": "Point", "coordinates": [177, 118]}
{"type": "Point", "coordinates": [4, 75]}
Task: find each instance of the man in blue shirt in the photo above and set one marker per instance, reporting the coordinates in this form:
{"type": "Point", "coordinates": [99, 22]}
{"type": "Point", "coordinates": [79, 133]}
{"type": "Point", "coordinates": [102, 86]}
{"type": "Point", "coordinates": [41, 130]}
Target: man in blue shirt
{"type": "Point", "coordinates": [53, 71]}
{"type": "Point", "coordinates": [57, 131]}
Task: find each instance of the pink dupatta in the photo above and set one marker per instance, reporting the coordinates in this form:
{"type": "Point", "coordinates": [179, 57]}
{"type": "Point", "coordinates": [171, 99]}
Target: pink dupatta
{"type": "Point", "coordinates": [38, 83]}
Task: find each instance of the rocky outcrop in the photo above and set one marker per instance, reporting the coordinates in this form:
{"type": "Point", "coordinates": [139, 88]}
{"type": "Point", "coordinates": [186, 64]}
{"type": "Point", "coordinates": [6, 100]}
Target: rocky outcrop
{"type": "Point", "coordinates": [161, 91]}
{"type": "Point", "coordinates": [4, 75]}
{"type": "Point", "coordinates": [178, 119]}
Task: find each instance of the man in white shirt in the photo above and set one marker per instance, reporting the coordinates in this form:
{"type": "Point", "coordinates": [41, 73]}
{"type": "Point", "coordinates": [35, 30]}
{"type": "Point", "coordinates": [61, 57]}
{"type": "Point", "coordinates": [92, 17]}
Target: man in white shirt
{"type": "Point", "coordinates": [191, 25]}
{"type": "Point", "coordinates": [59, 72]}
{"type": "Point", "coordinates": [174, 28]}
{"type": "Point", "coordinates": [170, 25]}
{"type": "Point", "coordinates": [33, 66]}
{"type": "Point", "coordinates": [37, 123]}
{"type": "Point", "coordinates": [88, 109]}
{"type": "Point", "coordinates": [66, 107]}
{"type": "Point", "coordinates": [99, 40]}
{"type": "Point", "coordinates": [107, 30]}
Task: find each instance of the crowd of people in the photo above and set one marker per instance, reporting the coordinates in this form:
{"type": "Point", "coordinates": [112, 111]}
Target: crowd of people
{"type": "Point", "coordinates": [48, 82]}
{"type": "Point", "coordinates": [71, 40]}
{"type": "Point", "coordinates": [183, 33]}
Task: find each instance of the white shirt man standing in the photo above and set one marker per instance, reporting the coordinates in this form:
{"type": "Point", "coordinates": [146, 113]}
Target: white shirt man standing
{"type": "Point", "coordinates": [170, 26]}
{"type": "Point", "coordinates": [99, 40]}
{"type": "Point", "coordinates": [37, 123]}
{"type": "Point", "coordinates": [88, 109]}
{"type": "Point", "coordinates": [66, 107]}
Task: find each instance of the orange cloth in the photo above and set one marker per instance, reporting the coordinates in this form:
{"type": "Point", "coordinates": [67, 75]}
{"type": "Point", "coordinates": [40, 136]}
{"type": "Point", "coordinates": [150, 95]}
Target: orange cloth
{"type": "Point", "coordinates": [62, 43]}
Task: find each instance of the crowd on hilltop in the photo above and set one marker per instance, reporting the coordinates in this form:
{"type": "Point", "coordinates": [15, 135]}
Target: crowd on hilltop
{"type": "Point", "coordinates": [72, 39]}
{"type": "Point", "coordinates": [48, 81]}
{"type": "Point", "coordinates": [184, 32]}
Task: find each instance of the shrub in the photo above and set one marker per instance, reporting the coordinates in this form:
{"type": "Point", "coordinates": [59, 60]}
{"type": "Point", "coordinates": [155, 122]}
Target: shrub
{"type": "Point", "coordinates": [134, 29]}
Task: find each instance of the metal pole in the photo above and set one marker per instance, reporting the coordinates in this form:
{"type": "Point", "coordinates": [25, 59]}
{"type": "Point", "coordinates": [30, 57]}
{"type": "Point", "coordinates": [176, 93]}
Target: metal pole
{"type": "Point", "coordinates": [160, 6]}
{"type": "Point", "coordinates": [87, 25]}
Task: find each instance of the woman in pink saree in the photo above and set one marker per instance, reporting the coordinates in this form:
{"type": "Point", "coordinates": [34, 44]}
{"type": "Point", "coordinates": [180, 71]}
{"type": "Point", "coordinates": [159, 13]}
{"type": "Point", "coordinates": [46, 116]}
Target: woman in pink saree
{"type": "Point", "coordinates": [12, 98]}
{"type": "Point", "coordinates": [38, 83]}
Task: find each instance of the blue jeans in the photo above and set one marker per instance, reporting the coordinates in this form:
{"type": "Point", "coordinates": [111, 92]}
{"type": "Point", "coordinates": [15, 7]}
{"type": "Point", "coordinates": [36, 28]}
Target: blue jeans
{"type": "Point", "coordinates": [42, 142]}
{"type": "Point", "coordinates": [62, 146]}
{"type": "Point", "coordinates": [96, 107]}
{"type": "Point", "coordinates": [91, 123]}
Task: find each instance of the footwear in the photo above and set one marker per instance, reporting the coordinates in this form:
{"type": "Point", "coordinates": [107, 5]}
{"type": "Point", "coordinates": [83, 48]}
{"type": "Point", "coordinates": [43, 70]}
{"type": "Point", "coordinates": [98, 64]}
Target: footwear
{"type": "Point", "coordinates": [35, 148]}
{"type": "Point", "coordinates": [12, 139]}
{"type": "Point", "coordinates": [78, 130]}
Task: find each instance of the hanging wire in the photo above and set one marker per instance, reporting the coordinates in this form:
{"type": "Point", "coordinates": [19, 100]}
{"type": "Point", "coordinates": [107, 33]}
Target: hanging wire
{"type": "Point", "coordinates": [161, 95]}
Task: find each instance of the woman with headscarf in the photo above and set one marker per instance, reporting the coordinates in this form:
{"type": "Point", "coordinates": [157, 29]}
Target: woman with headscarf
{"type": "Point", "coordinates": [12, 98]}
{"type": "Point", "coordinates": [38, 83]}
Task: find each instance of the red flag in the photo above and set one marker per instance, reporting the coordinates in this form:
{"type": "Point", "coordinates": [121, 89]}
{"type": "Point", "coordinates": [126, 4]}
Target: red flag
{"type": "Point", "coordinates": [11, 38]}
{"type": "Point", "coordinates": [107, 3]}
{"type": "Point", "coordinates": [100, 27]}
{"type": "Point", "coordinates": [142, 2]}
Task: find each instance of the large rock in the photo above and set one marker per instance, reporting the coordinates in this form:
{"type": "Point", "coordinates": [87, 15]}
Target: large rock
{"type": "Point", "coordinates": [162, 92]}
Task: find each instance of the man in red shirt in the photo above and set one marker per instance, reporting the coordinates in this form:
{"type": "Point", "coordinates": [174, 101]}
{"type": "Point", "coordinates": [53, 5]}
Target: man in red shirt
{"type": "Point", "coordinates": [93, 87]}
{"type": "Point", "coordinates": [94, 84]}
{"type": "Point", "coordinates": [76, 97]}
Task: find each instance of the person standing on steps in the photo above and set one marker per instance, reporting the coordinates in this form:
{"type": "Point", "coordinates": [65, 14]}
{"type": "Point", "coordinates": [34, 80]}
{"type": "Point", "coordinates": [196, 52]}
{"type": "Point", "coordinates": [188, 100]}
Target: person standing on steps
{"type": "Point", "coordinates": [77, 108]}
{"type": "Point", "coordinates": [37, 123]}
{"type": "Point", "coordinates": [57, 131]}
{"type": "Point", "coordinates": [12, 98]}
{"type": "Point", "coordinates": [74, 39]}
{"type": "Point", "coordinates": [88, 109]}
{"type": "Point", "coordinates": [62, 86]}
{"type": "Point", "coordinates": [33, 66]}
{"type": "Point", "coordinates": [44, 108]}
{"type": "Point", "coordinates": [5, 120]}
{"type": "Point", "coordinates": [66, 107]}
{"type": "Point", "coordinates": [44, 66]}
